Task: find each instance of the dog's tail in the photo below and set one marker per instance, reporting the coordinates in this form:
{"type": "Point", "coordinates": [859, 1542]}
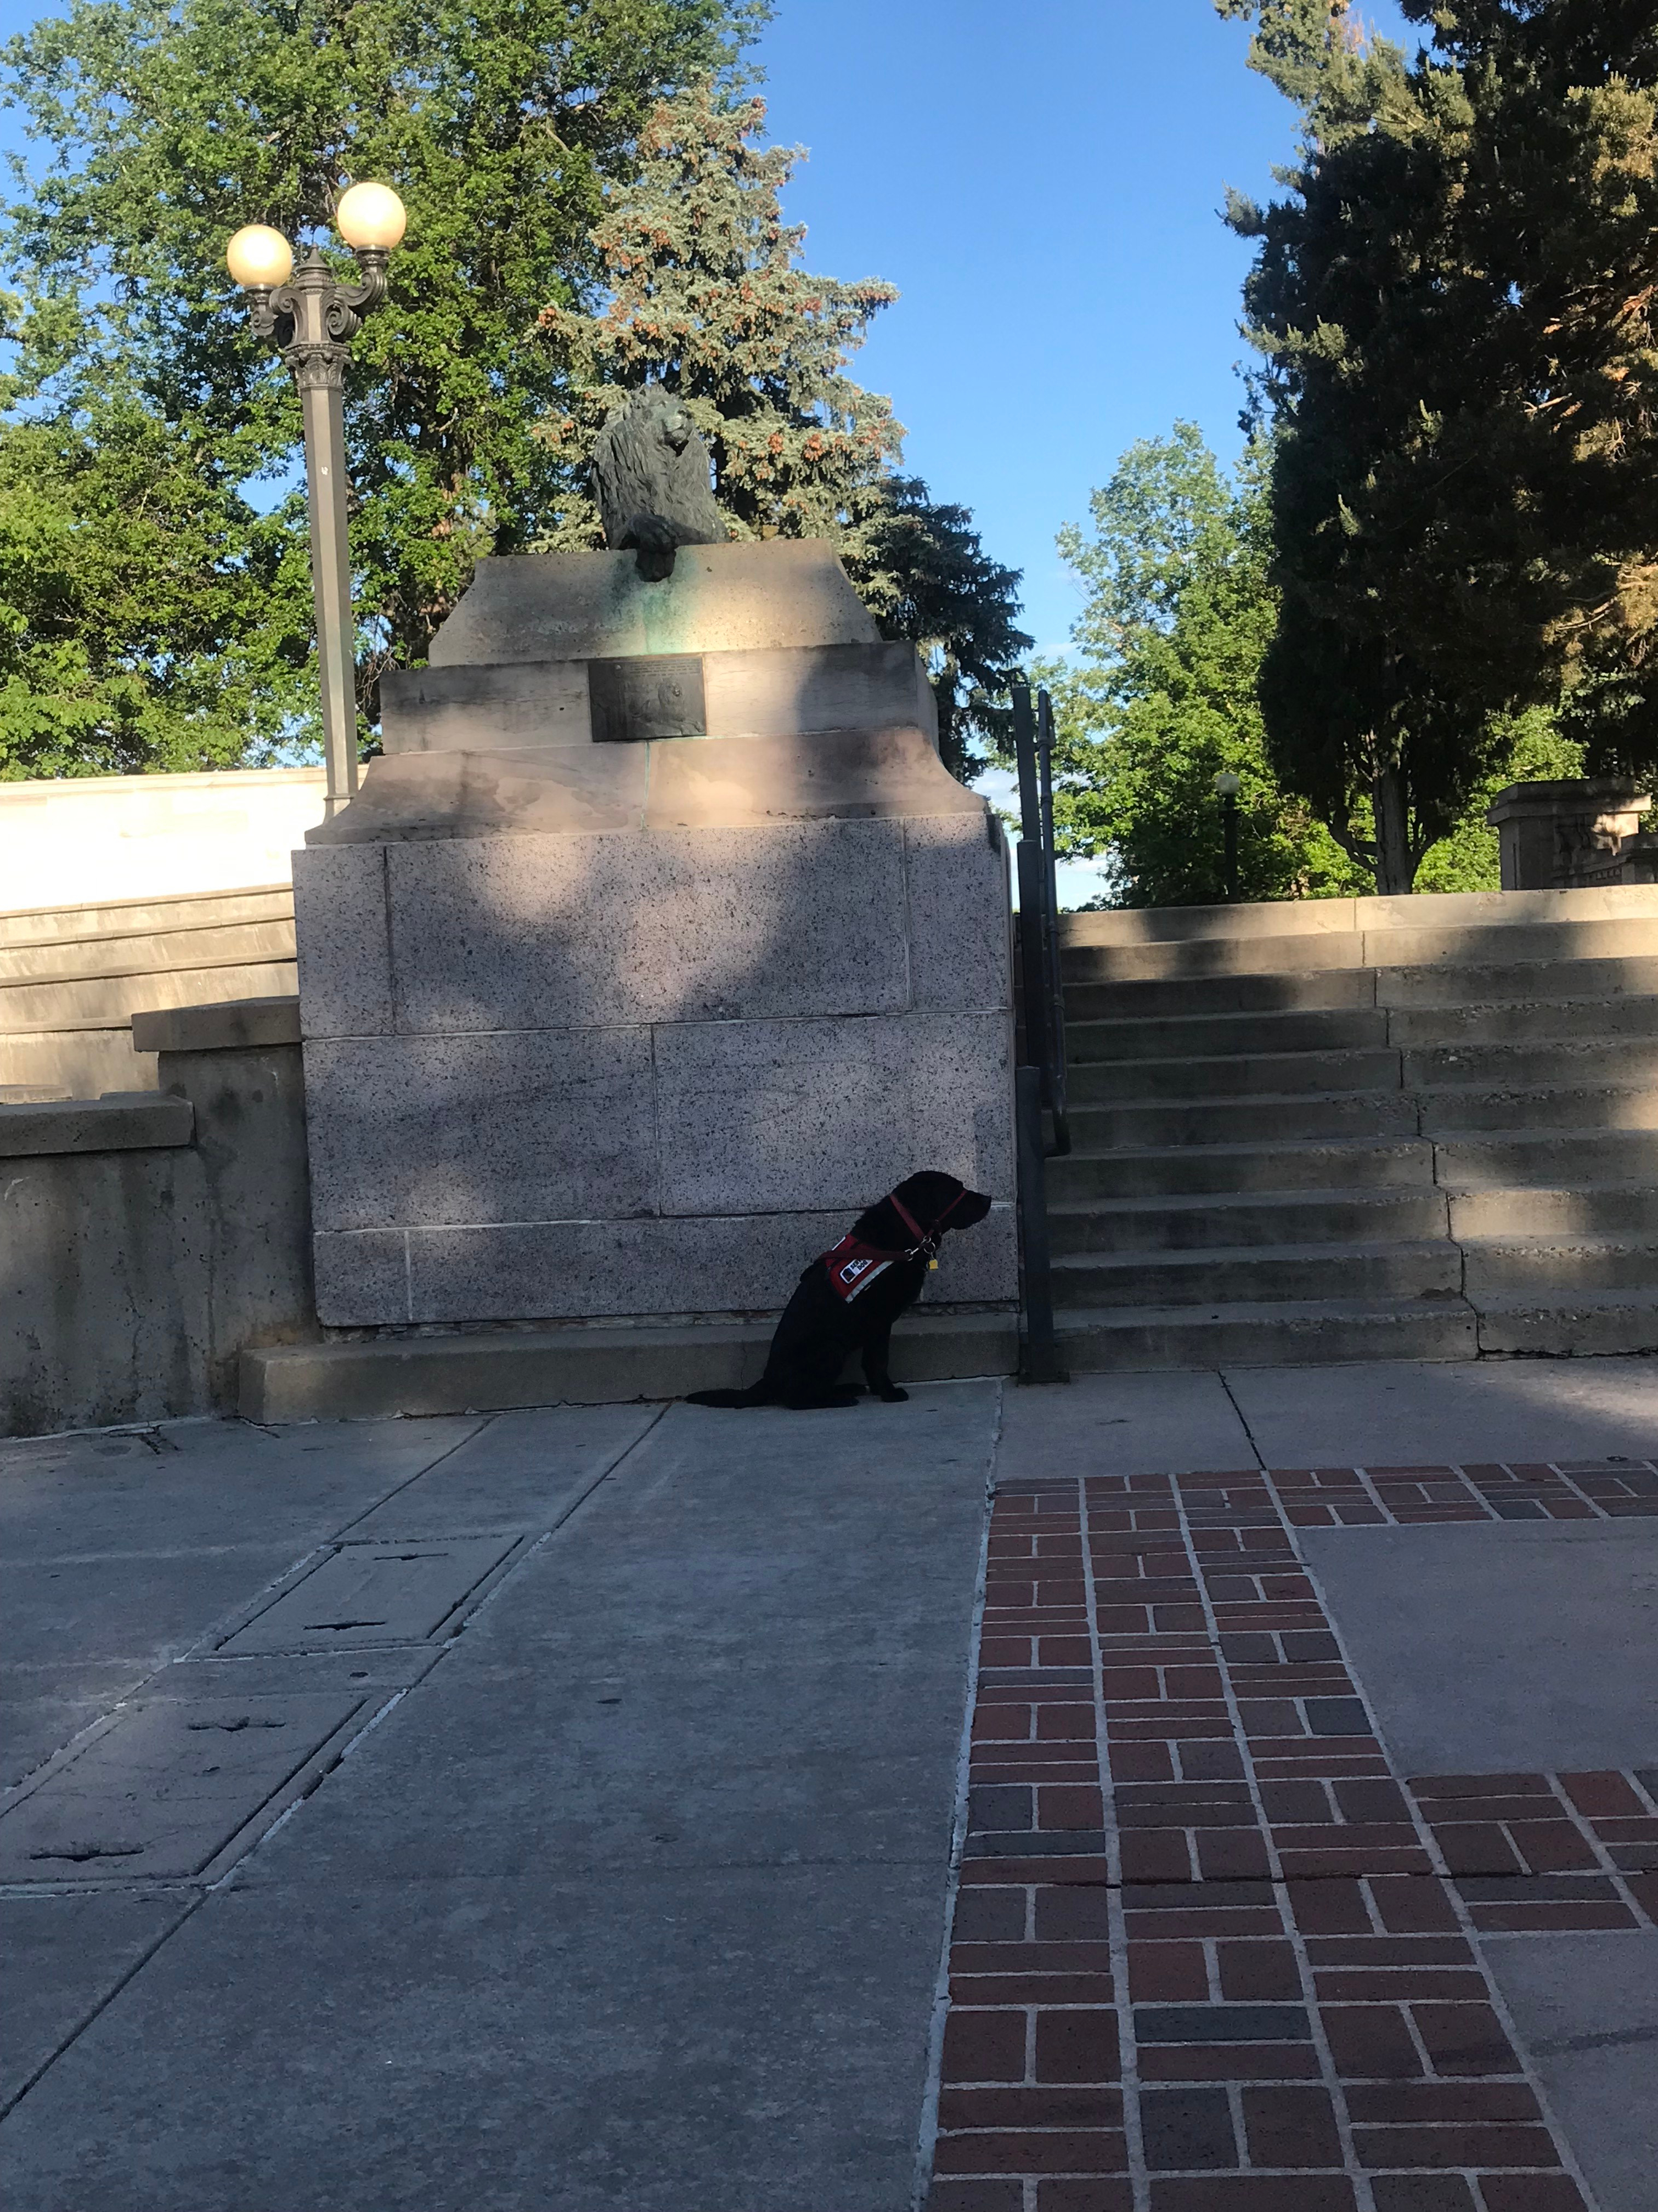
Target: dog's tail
{"type": "Point", "coordinates": [756, 1396]}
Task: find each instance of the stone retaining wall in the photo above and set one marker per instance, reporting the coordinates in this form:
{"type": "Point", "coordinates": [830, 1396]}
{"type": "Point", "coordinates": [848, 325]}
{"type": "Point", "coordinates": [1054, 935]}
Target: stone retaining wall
{"type": "Point", "coordinates": [146, 1239]}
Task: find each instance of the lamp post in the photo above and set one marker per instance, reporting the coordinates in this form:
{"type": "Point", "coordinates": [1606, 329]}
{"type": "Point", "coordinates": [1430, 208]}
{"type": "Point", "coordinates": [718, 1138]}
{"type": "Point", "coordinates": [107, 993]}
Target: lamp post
{"type": "Point", "coordinates": [311, 315]}
{"type": "Point", "coordinates": [1226, 787]}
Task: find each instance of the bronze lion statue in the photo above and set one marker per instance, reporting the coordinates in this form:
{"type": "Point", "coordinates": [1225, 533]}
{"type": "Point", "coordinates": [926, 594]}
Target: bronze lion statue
{"type": "Point", "coordinates": [651, 480]}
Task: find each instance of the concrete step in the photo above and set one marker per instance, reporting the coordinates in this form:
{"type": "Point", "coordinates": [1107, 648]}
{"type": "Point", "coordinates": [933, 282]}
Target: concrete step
{"type": "Point", "coordinates": [1355, 1165]}
{"type": "Point", "coordinates": [1542, 1107]}
{"type": "Point", "coordinates": [1096, 1082]}
{"type": "Point", "coordinates": [1296, 993]}
{"type": "Point", "coordinates": [1538, 1266]}
{"type": "Point", "coordinates": [1270, 1333]}
{"type": "Point", "coordinates": [1295, 1217]}
{"type": "Point", "coordinates": [211, 944]}
{"type": "Point", "coordinates": [75, 1063]}
{"type": "Point", "coordinates": [1568, 1326]}
{"type": "Point", "coordinates": [101, 1002]}
{"type": "Point", "coordinates": [1538, 1021]}
{"type": "Point", "coordinates": [1265, 1272]}
{"type": "Point", "coordinates": [1208, 1037]}
{"type": "Point", "coordinates": [141, 916]}
{"type": "Point", "coordinates": [1609, 1209]}
{"type": "Point", "coordinates": [1448, 945]}
{"type": "Point", "coordinates": [1189, 960]}
{"type": "Point", "coordinates": [1375, 916]}
{"type": "Point", "coordinates": [1374, 1114]}
{"type": "Point", "coordinates": [1524, 1065]}
{"type": "Point", "coordinates": [576, 1365]}
{"type": "Point", "coordinates": [1518, 983]}
{"type": "Point", "coordinates": [1549, 1159]}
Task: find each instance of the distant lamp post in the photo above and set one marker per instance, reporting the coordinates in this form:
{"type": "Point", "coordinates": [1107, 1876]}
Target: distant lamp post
{"type": "Point", "coordinates": [1227, 787]}
{"type": "Point", "coordinates": [311, 315]}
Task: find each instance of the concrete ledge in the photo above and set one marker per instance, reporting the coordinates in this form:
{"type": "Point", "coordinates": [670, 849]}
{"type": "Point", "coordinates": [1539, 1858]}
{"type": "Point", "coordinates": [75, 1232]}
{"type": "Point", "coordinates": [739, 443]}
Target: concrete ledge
{"type": "Point", "coordinates": [231, 1025]}
{"type": "Point", "coordinates": [120, 1122]}
{"type": "Point", "coordinates": [434, 1375]}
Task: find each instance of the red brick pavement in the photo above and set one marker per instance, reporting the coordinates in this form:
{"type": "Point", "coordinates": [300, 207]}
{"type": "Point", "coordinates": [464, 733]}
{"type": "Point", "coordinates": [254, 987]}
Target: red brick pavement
{"type": "Point", "coordinates": [1210, 1952]}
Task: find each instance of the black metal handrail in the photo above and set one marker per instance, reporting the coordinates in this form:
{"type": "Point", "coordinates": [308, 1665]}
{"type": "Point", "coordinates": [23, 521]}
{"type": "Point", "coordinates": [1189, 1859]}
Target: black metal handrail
{"type": "Point", "coordinates": [1039, 1082]}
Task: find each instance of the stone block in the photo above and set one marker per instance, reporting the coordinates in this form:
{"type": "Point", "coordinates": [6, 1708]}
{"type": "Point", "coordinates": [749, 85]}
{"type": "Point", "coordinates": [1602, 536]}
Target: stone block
{"type": "Point", "coordinates": [118, 1122]}
{"type": "Point", "coordinates": [344, 950]}
{"type": "Point", "coordinates": [577, 1270]}
{"type": "Point", "coordinates": [761, 1115]}
{"type": "Point", "coordinates": [672, 925]}
{"type": "Point", "coordinates": [784, 692]}
{"type": "Point", "coordinates": [434, 710]}
{"type": "Point", "coordinates": [362, 1277]}
{"type": "Point", "coordinates": [960, 949]}
{"type": "Point", "coordinates": [848, 773]}
{"type": "Point", "coordinates": [524, 1126]}
{"type": "Point", "coordinates": [228, 1025]}
{"type": "Point", "coordinates": [535, 790]}
{"type": "Point", "coordinates": [595, 606]}
{"type": "Point", "coordinates": [530, 1271]}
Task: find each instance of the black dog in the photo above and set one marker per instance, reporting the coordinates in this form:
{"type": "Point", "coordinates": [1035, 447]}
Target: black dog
{"type": "Point", "coordinates": [848, 1299]}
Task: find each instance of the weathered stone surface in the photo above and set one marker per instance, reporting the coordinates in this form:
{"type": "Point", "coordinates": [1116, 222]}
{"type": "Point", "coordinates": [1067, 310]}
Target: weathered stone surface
{"type": "Point", "coordinates": [592, 606]}
{"type": "Point", "coordinates": [758, 1116]}
{"type": "Point", "coordinates": [130, 1280]}
{"type": "Point", "coordinates": [776, 691]}
{"type": "Point", "coordinates": [120, 1123]}
{"type": "Point", "coordinates": [683, 782]}
{"type": "Point", "coordinates": [738, 1264]}
{"type": "Point", "coordinates": [433, 710]}
{"type": "Point", "coordinates": [362, 1277]}
{"type": "Point", "coordinates": [781, 692]}
{"type": "Point", "coordinates": [845, 774]}
{"type": "Point", "coordinates": [536, 790]}
{"type": "Point", "coordinates": [344, 949]}
{"type": "Point", "coordinates": [956, 869]}
{"type": "Point", "coordinates": [230, 1025]}
{"type": "Point", "coordinates": [672, 925]}
{"type": "Point", "coordinates": [519, 1126]}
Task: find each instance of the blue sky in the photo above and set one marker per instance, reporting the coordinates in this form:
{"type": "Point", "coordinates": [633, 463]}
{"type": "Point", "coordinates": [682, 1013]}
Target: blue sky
{"type": "Point", "coordinates": [1041, 181]}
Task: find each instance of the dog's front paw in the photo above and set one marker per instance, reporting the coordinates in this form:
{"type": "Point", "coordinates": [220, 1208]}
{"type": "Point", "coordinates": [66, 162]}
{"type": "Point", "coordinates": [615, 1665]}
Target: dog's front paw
{"type": "Point", "coordinates": [890, 1395]}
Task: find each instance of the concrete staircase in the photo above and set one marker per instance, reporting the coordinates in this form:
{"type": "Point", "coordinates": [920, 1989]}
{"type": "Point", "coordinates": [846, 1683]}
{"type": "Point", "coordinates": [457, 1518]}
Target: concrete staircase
{"type": "Point", "coordinates": [1360, 1128]}
{"type": "Point", "coordinates": [72, 977]}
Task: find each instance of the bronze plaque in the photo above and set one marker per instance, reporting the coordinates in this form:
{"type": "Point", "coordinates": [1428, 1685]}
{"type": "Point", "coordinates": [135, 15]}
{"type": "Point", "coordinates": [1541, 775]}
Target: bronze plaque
{"type": "Point", "coordinates": [658, 697]}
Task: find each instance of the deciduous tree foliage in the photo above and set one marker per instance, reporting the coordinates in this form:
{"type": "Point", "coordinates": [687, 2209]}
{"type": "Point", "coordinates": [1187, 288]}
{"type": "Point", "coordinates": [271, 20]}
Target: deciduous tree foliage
{"type": "Point", "coordinates": [150, 613]}
{"type": "Point", "coordinates": [708, 298]}
{"type": "Point", "coordinates": [1455, 306]}
{"type": "Point", "coordinates": [1161, 695]}
{"type": "Point", "coordinates": [1180, 612]}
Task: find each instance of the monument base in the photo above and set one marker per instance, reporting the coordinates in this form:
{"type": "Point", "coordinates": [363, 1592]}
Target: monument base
{"type": "Point", "coordinates": [649, 1072]}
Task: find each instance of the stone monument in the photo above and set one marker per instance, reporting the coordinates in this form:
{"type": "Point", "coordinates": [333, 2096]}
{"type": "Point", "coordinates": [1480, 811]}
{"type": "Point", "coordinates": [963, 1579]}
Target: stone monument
{"type": "Point", "coordinates": [658, 940]}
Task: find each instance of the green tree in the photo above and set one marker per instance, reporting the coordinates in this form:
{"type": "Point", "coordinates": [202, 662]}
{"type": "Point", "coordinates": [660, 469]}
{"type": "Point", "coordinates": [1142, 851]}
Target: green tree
{"type": "Point", "coordinates": [1180, 612]}
{"type": "Point", "coordinates": [136, 389]}
{"type": "Point", "coordinates": [1454, 308]}
{"type": "Point", "coordinates": [706, 297]}
{"type": "Point", "coordinates": [1161, 695]}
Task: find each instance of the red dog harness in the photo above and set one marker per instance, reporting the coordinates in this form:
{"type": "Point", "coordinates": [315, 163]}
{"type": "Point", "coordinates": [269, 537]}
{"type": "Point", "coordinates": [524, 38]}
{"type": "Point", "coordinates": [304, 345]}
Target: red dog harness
{"type": "Point", "coordinates": [854, 1266]}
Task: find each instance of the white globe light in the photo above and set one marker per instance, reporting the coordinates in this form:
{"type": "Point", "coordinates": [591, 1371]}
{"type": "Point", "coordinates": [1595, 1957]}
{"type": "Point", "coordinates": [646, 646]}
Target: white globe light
{"type": "Point", "coordinates": [370, 216]}
{"type": "Point", "coordinates": [259, 257]}
{"type": "Point", "coordinates": [1227, 785]}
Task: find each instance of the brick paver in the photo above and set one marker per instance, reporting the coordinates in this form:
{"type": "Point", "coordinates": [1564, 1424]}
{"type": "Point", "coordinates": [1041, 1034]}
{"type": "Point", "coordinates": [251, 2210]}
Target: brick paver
{"type": "Point", "coordinates": [1210, 1951]}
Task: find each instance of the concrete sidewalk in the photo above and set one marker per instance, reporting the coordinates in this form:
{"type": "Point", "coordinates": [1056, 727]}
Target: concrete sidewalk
{"type": "Point", "coordinates": [559, 1808]}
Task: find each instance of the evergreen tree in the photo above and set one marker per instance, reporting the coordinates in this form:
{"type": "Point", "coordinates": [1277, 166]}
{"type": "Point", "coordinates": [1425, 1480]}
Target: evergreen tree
{"type": "Point", "coordinates": [707, 298]}
{"type": "Point", "coordinates": [1179, 615]}
{"type": "Point", "coordinates": [150, 614]}
{"type": "Point", "coordinates": [1455, 306]}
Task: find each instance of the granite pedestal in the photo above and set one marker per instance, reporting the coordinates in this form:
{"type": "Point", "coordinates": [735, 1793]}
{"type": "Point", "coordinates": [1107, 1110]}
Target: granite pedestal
{"type": "Point", "coordinates": [605, 1023]}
